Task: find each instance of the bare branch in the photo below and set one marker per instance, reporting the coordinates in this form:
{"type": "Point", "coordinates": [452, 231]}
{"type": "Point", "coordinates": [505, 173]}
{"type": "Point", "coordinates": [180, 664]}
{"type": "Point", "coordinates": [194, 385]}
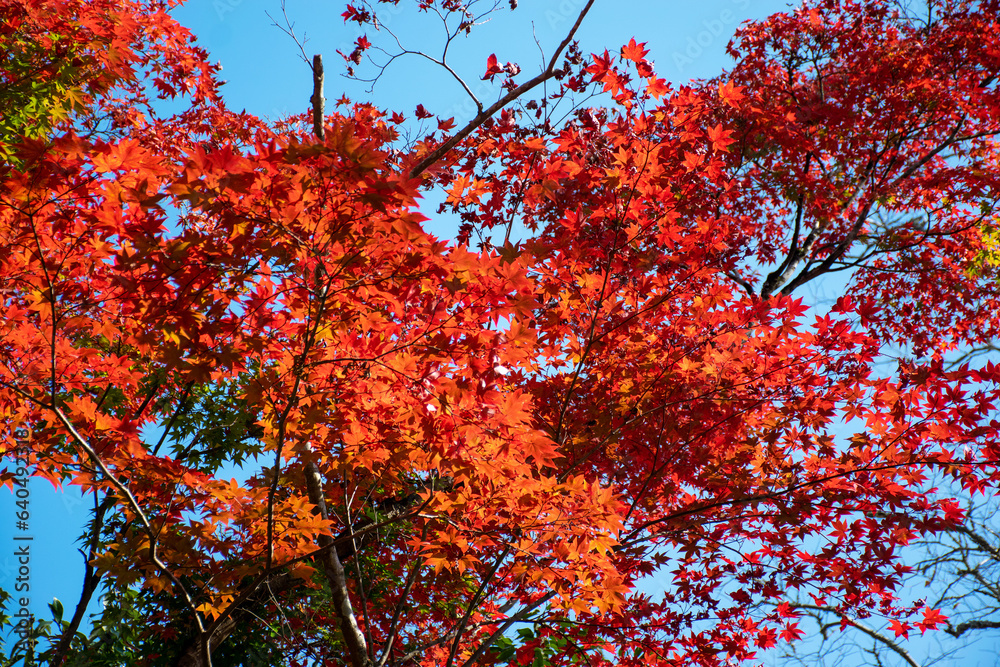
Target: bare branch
{"type": "Point", "coordinates": [353, 636]}
{"type": "Point", "coordinates": [549, 72]}
{"type": "Point", "coordinates": [317, 96]}
{"type": "Point", "coordinates": [871, 632]}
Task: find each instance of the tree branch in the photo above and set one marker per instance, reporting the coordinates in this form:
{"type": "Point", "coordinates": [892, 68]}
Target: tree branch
{"type": "Point", "coordinates": [871, 632]}
{"type": "Point", "coordinates": [334, 569]}
{"type": "Point", "coordinates": [546, 74]}
{"type": "Point", "coordinates": [133, 504]}
{"type": "Point", "coordinates": [317, 97]}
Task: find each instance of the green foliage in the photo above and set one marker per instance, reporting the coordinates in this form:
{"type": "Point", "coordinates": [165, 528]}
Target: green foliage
{"type": "Point", "coordinates": [121, 632]}
{"type": "Point", "coordinates": [40, 85]}
{"type": "Point", "coordinates": [35, 645]}
{"type": "Point", "coordinates": [542, 646]}
{"type": "Point", "coordinates": [212, 424]}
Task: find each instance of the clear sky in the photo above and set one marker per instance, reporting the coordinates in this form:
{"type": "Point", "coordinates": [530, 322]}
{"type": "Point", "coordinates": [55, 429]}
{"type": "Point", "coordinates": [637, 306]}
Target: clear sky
{"type": "Point", "coordinates": [267, 76]}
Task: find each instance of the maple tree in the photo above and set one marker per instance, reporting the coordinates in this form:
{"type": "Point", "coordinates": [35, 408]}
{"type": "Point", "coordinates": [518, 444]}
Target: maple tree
{"type": "Point", "coordinates": [480, 451]}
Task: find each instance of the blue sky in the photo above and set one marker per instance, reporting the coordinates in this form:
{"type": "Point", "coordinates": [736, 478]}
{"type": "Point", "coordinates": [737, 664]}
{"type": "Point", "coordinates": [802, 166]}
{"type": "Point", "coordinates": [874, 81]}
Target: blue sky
{"type": "Point", "coordinates": [266, 76]}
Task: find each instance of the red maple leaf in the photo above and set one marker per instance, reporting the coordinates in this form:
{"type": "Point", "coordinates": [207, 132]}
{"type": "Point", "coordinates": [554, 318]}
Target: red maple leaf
{"type": "Point", "coordinates": [492, 68]}
{"type": "Point", "coordinates": [634, 52]}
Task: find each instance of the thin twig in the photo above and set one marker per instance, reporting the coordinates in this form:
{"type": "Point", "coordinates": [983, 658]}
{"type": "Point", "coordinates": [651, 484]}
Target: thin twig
{"type": "Point", "coordinates": [549, 72]}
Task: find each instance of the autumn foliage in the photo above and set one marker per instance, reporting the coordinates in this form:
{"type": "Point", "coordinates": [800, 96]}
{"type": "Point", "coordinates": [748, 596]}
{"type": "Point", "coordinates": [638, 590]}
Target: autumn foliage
{"type": "Point", "coordinates": [601, 426]}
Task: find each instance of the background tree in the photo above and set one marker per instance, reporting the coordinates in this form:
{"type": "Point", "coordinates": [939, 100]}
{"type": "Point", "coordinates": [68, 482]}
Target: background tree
{"type": "Point", "coordinates": [476, 451]}
{"type": "Point", "coordinates": [954, 571]}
